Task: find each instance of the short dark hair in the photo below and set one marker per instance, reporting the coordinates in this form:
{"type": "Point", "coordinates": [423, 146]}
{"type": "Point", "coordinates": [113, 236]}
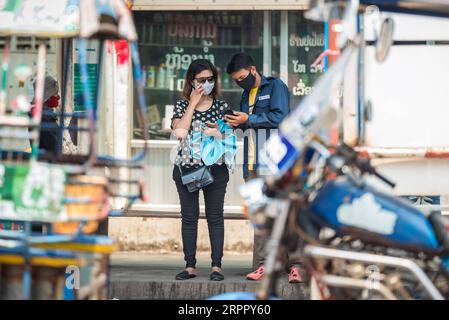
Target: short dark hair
{"type": "Point", "coordinates": [196, 67]}
{"type": "Point", "coordinates": [240, 61]}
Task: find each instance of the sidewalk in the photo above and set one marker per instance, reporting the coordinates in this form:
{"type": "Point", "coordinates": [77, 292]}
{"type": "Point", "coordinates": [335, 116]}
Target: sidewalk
{"type": "Point", "coordinates": [142, 275]}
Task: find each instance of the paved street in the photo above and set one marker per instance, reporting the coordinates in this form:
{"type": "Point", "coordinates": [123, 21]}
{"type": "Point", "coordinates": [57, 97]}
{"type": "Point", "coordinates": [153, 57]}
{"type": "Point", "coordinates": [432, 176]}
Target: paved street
{"type": "Point", "coordinates": [136, 275]}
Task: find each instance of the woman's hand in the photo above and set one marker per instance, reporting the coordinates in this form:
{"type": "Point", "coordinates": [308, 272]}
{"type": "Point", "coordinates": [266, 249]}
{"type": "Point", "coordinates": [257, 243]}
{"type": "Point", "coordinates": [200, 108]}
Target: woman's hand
{"type": "Point", "coordinates": [212, 130]}
{"type": "Point", "coordinates": [181, 126]}
{"type": "Point", "coordinates": [195, 96]}
{"type": "Point", "coordinates": [180, 133]}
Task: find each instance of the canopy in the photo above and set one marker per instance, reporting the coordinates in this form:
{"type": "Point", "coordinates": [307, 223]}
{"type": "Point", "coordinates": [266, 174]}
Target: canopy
{"type": "Point", "coordinates": [418, 7]}
{"type": "Point", "coordinates": [67, 18]}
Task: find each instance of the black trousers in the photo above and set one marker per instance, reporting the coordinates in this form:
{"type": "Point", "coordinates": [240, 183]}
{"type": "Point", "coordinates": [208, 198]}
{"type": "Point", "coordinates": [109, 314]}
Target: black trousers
{"type": "Point", "coordinates": [190, 210]}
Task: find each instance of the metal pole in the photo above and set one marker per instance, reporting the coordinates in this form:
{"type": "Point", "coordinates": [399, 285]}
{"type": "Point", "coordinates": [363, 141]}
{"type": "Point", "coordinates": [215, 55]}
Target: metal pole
{"type": "Point", "coordinates": [267, 42]}
{"type": "Point", "coordinates": [361, 81]}
{"type": "Point", "coordinates": [284, 47]}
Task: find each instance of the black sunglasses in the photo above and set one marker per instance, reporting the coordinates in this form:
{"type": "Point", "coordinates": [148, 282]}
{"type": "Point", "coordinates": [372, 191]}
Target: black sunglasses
{"type": "Point", "coordinates": [203, 80]}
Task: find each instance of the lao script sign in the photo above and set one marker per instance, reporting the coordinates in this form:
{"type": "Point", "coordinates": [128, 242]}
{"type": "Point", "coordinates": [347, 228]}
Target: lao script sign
{"type": "Point", "coordinates": [32, 192]}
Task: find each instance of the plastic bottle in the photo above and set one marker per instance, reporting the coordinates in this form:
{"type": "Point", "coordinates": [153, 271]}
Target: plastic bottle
{"type": "Point", "coordinates": [151, 77]}
{"type": "Point", "coordinates": [170, 79]}
{"type": "Point", "coordinates": [161, 76]}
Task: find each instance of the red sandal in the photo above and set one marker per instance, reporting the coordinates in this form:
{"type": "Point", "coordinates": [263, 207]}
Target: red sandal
{"type": "Point", "coordinates": [294, 276]}
{"type": "Point", "coordinates": [257, 274]}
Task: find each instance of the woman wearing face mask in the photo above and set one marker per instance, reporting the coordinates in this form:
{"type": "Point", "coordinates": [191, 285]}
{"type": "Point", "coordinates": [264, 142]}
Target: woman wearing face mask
{"type": "Point", "coordinates": [199, 112]}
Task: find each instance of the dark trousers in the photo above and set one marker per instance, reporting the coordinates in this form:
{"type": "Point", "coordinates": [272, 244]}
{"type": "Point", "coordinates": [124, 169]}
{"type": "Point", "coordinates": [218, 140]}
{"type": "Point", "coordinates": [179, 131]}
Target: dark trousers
{"type": "Point", "coordinates": [260, 241]}
{"type": "Point", "coordinates": [260, 254]}
{"type": "Point", "coordinates": [190, 210]}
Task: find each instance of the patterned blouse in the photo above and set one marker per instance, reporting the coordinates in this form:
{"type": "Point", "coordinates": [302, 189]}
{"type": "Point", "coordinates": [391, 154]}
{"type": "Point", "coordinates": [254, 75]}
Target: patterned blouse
{"type": "Point", "coordinates": [199, 119]}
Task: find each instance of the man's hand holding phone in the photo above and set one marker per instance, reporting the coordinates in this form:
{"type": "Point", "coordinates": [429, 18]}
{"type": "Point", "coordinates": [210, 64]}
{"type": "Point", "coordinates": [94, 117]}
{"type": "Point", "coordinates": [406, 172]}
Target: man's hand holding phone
{"type": "Point", "coordinates": [236, 118]}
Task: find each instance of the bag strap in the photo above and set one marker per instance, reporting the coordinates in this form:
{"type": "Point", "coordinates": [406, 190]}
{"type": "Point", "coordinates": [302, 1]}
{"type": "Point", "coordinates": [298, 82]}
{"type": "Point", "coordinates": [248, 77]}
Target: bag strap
{"type": "Point", "coordinates": [204, 165]}
{"type": "Point", "coordinates": [180, 170]}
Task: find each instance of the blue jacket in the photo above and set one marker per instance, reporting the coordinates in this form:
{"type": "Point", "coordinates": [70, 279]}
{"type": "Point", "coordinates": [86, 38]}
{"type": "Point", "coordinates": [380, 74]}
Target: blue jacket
{"type": "Point", "coordinates": [272, 105]}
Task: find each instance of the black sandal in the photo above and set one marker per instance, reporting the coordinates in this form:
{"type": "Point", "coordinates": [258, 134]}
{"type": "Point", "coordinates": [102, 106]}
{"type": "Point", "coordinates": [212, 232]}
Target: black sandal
{"type": "Point", "coordinates": [185, 275]}
{"type": "Point", "coordinates": [216, 276]}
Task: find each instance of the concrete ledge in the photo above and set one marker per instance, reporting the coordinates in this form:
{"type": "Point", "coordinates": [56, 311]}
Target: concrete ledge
{"type": "Point", "coordinates": [150, 276]}
{"type": "Point", "coordinates": [173, 211]}
{"type": "Point", "coordinates": [164, 234]}
{"type": "Point", "coordinates": [144, 288]}
{"type": "Point", "coordinates": [146, 209]}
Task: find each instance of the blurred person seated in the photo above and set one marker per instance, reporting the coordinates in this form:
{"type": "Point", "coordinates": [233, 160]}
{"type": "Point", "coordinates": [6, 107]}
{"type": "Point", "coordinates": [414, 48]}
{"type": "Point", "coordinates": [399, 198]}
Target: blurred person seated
{"type": "Point", "coordinates": [48, 137]}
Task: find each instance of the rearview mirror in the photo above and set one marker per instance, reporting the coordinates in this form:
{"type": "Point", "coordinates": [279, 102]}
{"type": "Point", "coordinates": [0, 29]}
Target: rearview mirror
{"type": "Point", "coordinates": [385, 39]}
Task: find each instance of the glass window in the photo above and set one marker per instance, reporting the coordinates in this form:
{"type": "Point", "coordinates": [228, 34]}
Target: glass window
{"type": "Point", "coordinates": [21, 72]}
{"type": "Point", "coordinates": [275, 43]}
{"type": "Point", "coordinates": [23, 52]}
{"type": "Point", "coordinates": [170, 41]}
{"type": "Point", "coordinates": [305, 44]}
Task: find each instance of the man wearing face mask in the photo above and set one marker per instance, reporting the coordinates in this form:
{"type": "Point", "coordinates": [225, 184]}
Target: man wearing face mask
{"type": "Point", "coordinates": [264, 104]}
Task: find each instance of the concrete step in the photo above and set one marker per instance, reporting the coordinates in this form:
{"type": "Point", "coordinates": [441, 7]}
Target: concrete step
{"type": "Point", "coordinates": [164, 233]}
{"type": "Point", "coordinates": [138, 276]}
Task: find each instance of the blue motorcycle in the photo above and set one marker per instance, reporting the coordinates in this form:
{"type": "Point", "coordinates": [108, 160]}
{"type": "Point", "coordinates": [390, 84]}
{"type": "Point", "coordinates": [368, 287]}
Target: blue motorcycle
{"type": "Point", "coordinates": [356, 242]}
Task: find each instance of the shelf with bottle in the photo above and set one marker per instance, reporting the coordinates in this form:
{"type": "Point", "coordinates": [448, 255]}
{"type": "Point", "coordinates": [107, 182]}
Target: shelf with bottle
{"type": "Point", "coordinates": [233, 47]}
{"type": "Point", "coordinates": [189, 20]}
{"type": "Point", "coordinates": [165, 90]}
{"type": "Point", "coordinates": [154, 23]}
{"type": "Point", "coordinates": [222, 16]}
{"type": "Point", "coordinates": [163, 79]}
{"type": "Point", "coordinates": [160, 34]}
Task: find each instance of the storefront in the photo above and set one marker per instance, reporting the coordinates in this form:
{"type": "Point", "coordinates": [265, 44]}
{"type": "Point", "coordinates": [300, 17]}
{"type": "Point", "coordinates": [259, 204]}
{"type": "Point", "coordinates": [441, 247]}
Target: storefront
{"type": "Point", "coordinates": [174, 33]}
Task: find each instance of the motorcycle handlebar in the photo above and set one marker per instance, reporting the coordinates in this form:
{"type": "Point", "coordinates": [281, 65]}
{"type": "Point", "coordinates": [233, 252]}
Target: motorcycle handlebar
{"type": "Point", "coordinates": [384, 179]}
{"type": "Point", "coordinates": [363, 164]}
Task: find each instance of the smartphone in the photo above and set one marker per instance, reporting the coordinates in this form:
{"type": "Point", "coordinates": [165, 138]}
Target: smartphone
{"type": "Point", "coordinates": [230, 113]}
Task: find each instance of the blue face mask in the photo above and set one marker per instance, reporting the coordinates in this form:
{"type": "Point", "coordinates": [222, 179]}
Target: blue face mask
{"type": "Point", "coordinates": [208, 87]}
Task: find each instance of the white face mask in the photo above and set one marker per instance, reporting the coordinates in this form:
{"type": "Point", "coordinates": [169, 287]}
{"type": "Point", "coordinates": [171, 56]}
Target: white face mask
{"type": "Point", "coordinates": [208, 87]}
